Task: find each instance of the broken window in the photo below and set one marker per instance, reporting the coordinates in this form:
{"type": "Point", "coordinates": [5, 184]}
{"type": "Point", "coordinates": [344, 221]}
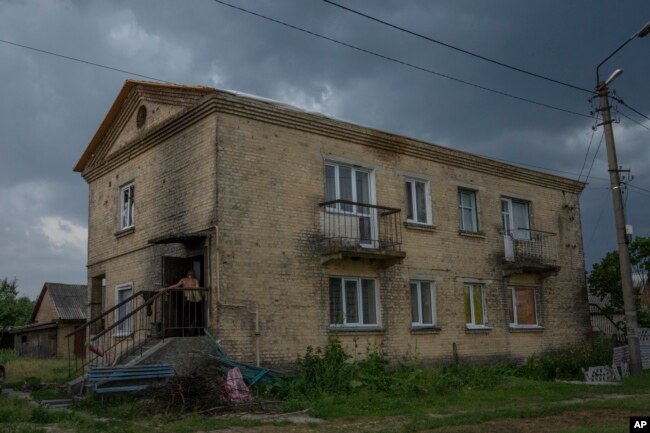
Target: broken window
{"type": "Point", "coordinates": [127, 206]}
{"type": "Point", "coordinates": [524, 306]}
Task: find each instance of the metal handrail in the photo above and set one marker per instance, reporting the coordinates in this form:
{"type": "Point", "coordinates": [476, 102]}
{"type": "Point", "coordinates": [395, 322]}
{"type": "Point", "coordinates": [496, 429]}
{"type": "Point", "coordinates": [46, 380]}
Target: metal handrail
{"type": "Point", "coordinates": [509, 232]}
{"type": "Point", "coordinates": [389, 210]}
{"type": "Point", "coordinates": [103, 343]}
{"type": "Point", "coordinates": [147, 303]}
{"type": "Point", "coordinates": [104, 314]}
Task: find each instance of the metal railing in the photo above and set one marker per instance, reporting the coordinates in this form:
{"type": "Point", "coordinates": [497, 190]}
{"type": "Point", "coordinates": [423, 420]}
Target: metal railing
{"type": "Point", "coordinates": [530, 246]}
{"type": "Point", "coordinates": [606, 324]}
{"type": "Point", "coordinates": [351, 225]}
{"type": "Point", "coordinates": [139, 319]}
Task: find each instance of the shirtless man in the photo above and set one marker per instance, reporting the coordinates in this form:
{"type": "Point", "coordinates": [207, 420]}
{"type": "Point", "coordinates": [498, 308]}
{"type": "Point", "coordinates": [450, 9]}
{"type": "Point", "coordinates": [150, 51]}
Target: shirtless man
{"type": "Point", "coordinates": [189, 281]}
{"type": "Point", "coordinates": [192, 300]}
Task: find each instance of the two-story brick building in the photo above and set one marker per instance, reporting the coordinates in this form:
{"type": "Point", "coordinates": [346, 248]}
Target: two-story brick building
{"type": "Point", "coordinates": [303, 227]}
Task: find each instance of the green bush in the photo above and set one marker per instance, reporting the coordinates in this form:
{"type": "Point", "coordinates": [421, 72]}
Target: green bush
{"type": "Point", "coordinates": [7, 355]}
{"type": "Point", "coordinates": [567, 362]}
{"type": "Point", "coordinates": [332, 371]}
{"type": "Point", "coordinates": [319, 371]}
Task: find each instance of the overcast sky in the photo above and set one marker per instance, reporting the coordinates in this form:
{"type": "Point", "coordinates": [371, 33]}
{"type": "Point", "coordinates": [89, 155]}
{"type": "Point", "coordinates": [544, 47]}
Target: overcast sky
{"type": "Point", "coordinates": [50, 107]}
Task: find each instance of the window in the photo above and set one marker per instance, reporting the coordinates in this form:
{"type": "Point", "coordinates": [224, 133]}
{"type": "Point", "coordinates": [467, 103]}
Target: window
{"type": "Point", "coordinates": [353, 302]}
{"type": "Point", "coordinates": [515, 218]}
{"type": "Point", "coordinates": [423, 303]}
{"type": "Point", "coordinates": [123, 292]}
{"type": "Point", "coordinates": [127, 206]}
{"type": "Point", "coordinates": [523, 308]}
{"type": "Point", "coordinates": [418, 204]}
{"type": "Point", "coordinates": [475, 314]}
{"type": "Point", "coordinates": [467, 217]}
{"type": "Point", "coordinates": [344, 182]}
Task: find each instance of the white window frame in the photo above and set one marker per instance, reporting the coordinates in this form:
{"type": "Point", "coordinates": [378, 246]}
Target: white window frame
{"type": "Point", "coordinates": [473, 324]}
{"type": "Point", "coordinates": [359, 324]}
{"type": "Point", "coordinates": [414, 203]}
{"type": "Point", "coordinates": [509, 216]}
{"type": "Point", "coordinates": [128, 208]}
{"type": "Point", "coordinates": [128, 328]}
{"type": "Point", "coordinates": [513, 303]}
{"type": "Point", "coordinates": [474, 210]}
{"type": "Point", "coordinates": [337, 187]}
{"type": "Point", "coordinates": [433, 293]}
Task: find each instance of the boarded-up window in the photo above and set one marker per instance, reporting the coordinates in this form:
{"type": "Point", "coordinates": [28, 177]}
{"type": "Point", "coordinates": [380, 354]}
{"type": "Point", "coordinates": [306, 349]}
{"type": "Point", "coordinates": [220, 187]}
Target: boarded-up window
{"type": "Point", "coordinates": [524, 306]}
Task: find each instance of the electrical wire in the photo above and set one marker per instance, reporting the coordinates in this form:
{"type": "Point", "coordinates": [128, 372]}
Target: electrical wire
{"type": "Point", "coordinates": [87, 62]}
{"type": "Point", "coordinates": [600, 143]}
{"type": "Point", "coordinates": [401, 62]}
{"type": "Point", "coordinates": [632, 119]}
{"type": "Point", "coordinates": [593, 232]}
{"type": "Point", "coordinates": [584, 163]}
{"type": "Point", "coordinates": [461, 50]}
{"type": "Point", "coordinates": [622, 102]}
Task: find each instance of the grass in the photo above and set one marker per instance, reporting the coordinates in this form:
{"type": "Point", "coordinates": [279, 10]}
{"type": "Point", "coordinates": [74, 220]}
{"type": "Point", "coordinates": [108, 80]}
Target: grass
{"type": "Point", "coordinates": [353, 396]}
{"type": "Point", "coordinates": [19, 370]}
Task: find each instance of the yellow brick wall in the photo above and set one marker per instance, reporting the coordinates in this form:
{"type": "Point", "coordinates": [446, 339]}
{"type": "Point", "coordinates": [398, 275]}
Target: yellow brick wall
{"type": "Point", "coordinates": [174, 193]}
{"type": "Point", "coordinates": [271, 180]}
{"type": "Point", "coordinates": [265, 202]}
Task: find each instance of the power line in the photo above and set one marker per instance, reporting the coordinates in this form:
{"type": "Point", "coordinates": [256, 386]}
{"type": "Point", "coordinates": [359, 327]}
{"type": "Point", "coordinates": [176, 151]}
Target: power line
{"type": "Point", "coordinates": [75, 59]}
{"type": "Point", "coordinates": [633, 120]}
{"type": "Point", "coordinates": [639, 188]}
{"type": "Point", "coordinates": [401, 62]}
{"type": "Point", "coordinates": [593, 232]}
{"type": "Point", "coordinates": [461, 50]}
{"type": "Point", "coordinates": [622, 102]}
{"type": "Point", "coordinates": [600, 143]}
{"type": "Point", "coordinates": [584, 163]}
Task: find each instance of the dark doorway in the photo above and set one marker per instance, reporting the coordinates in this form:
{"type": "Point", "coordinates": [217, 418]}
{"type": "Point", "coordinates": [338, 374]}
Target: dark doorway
{"type": "Point", "coordinates": [177, 316]}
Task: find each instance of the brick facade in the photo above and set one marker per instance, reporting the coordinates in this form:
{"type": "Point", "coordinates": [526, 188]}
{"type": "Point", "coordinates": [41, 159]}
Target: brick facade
{"type": "Point", "coordinates": [249, 174]}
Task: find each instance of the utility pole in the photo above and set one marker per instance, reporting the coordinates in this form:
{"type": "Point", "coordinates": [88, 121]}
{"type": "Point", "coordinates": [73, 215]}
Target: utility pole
{"type": "Point", "coordinates": [619, 216]}
{"type": "Point", "coordinates": [617, 198]}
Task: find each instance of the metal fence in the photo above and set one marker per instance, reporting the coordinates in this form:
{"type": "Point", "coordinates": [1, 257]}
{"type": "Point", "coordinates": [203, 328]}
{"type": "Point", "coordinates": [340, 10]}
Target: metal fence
{"type": "Point", "coordinates": [350, 225]}
{"type": "Point", "coordinates": [126, 329]}
{"type": "Point", "coordinates": [530, 246]}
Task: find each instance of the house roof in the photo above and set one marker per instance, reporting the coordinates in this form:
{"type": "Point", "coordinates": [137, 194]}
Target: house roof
{"type": "Point", "coordinates": [69, 300]}
{"type": "Point", "coordinates": [264, 109]}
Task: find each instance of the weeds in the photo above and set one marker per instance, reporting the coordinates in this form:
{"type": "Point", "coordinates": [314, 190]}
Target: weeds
{"type": "Point", "coordinates": [331, 371]}
{"type": "Point", "coordinates": [566, 363]}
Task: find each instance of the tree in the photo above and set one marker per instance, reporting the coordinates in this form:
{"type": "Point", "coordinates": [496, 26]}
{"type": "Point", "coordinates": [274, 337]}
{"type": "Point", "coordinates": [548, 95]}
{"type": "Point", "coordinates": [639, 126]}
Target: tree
{"type": "Point", "coordinates": [14, 310]}
{"type": "Point", "coordinates": [605, 277]}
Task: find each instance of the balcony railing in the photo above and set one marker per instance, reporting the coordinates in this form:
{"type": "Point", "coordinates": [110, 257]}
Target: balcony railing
{"type": "Point", "coordinates": [351, 226]}
{"type": "Point", "coordinates": [530, 247]}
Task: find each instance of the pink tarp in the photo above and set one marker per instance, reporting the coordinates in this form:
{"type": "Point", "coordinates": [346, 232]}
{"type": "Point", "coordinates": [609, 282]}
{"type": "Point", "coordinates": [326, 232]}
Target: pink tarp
{"type": "Point", "coordinates": [236, 387]}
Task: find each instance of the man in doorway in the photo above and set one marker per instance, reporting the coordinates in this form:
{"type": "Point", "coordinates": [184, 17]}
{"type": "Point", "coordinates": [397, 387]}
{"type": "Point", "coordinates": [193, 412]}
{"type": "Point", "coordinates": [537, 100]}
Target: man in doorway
{"type": "Point", "coordinates": [192, 310]}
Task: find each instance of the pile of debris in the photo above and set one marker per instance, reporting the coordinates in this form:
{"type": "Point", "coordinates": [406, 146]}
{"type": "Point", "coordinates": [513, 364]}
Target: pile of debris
{"type": "Point", "coordinates": [206, 391]}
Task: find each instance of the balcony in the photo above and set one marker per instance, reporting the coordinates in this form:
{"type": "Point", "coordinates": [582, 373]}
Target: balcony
{"type": "Point", "coordinates": [355, 231]}
{"type": "Point", "coordinates": [528, 251]}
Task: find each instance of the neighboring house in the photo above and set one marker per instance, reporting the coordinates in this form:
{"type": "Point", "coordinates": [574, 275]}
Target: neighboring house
{"type": "Point", "coordinates": [303, 228]}
{"type": "Point", "coordinates": [59, 309]}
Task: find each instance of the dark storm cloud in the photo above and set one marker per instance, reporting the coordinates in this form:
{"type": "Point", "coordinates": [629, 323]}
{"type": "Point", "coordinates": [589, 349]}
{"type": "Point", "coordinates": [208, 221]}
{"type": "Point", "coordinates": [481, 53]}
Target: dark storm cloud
{"type": "Point", "coordinates": [51, 107]}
